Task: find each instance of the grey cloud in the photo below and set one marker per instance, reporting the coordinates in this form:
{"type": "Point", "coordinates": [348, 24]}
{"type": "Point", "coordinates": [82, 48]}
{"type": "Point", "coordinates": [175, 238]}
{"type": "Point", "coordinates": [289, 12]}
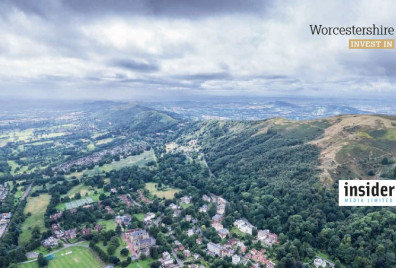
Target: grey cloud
{"type": "Point", "coordinates": [137, 66]}
{"type": "Point", "coordinates": [164, 8]}
{"type": "Point", "coordinates": [205, 76]}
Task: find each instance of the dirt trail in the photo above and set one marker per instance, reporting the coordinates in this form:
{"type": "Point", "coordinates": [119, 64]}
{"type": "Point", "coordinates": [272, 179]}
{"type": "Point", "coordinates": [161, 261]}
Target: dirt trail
{"type": "Point", "coordinates": [342, 131]}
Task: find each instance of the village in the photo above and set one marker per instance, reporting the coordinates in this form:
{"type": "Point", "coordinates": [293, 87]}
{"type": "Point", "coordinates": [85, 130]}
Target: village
{"type": "Point", "coordinates": [139, 242]}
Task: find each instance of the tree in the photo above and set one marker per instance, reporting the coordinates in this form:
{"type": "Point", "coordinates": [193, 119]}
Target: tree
{"type": "Point", "coordinates": [124, 252]}
{"type": "Point", "coordinates": [111, 249]}
{"type": "Point", "coordinates": [42, 262]}
{"type": "Point", "coordinates": [77, 195]}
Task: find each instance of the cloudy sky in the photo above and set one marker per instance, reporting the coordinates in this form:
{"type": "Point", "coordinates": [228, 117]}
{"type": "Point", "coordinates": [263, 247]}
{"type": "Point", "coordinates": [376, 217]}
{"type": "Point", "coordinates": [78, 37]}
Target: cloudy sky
{"type": "Point", "coordinates": [182, 49]}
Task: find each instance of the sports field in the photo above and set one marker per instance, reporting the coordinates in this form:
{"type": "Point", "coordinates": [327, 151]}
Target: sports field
{"type": "Point", "coordinates": [37, 207]}
{"type": "Point", "coordinates": [76, 257]}
{"type": "Point", "coordinates": [78, 203]}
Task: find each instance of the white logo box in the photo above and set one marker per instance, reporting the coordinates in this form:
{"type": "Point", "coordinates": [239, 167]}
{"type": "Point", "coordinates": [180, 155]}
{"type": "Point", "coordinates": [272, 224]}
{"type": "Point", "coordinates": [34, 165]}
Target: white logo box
{"type": "Point", "coordinates": [368, 193]}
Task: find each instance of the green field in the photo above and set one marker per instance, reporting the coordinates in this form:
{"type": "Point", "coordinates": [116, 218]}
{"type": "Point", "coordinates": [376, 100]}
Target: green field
{"type": "Point", "coordinates": [390, 134]}
{"type": "Point", "coordinates": [37, 207]}
{"type": "Point", "coordinates": [167, 194]}
{"type": "Point", "coordinates": [184, 205]}
{"type": "Point", "coordinates": [108, 224]}
{"type": "Point", "coordinates": [139, 216]}
{"type": "Point", "coordinates": [141, 264]}
{"type": "Point", "coordinates": [139, 160]}
{"type": "Point", "coordinates": [82, 189]}
{"type": "Point", "coordinates": [76, 257]}
{"type": "Point", "coordinates": [91, 146]}
{"type": "Point", "coordinates": [235, 230]}
{"type": "Point", "coordinates": [104, 141]}
{"type": "Point", "coordinates": [14, 167]}
{"type": "Point", "coordinates": [118, 250]}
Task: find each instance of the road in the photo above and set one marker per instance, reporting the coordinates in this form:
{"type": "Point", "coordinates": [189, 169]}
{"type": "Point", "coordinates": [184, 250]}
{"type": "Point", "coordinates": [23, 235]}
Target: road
{"type": "Point", "coordinates": [179, 261]}
{"type": "Point", "coordinates": [26, 191]}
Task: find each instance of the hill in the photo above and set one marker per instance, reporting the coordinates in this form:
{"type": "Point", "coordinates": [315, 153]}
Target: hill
{"type": "Point", "coordinates": [282, 175]}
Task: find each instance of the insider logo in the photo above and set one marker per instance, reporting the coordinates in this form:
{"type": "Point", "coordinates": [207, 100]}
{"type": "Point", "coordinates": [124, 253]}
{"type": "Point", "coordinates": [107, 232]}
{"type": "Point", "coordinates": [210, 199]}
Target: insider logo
{"type": "Point", "coordinates": [367, 193]}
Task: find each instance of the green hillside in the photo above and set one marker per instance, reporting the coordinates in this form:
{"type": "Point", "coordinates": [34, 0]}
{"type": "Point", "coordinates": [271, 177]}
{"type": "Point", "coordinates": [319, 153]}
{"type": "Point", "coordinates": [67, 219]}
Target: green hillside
{"type": "Point", "coordinates": [277, 174]}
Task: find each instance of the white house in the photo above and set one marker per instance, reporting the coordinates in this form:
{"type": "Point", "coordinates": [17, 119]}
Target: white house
{"type": "Point", "coordinates": [244, 226]}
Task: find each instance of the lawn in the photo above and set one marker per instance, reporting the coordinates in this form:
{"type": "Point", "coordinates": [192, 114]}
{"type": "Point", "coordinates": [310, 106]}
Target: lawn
{"type": "Point", "coordinates": [108, 224]}
{"type": "Point", "coordinates": [139, 216]}
{"type": "Point", "coordinates": [235, 230]}
{"type": "Point", "coordinates": [91, 146]}
{"type": "Point", "coordinates": [37, 207]}
{"type": "Point", "coordinates": [141, 263]}
{"type": "Point", "coordinates": [139, 160]}
{"type": "Point", "coordinates": [118, 250]}
{"type": "Point", "coordinates": [76, 257]}
{"type": "Point", "coordinates": [82, 189]}
{"type": "Point", "coordinates": [104, 141]}
{"type": "Point", "coordinates": [167, 194]}
{"type": "Point", "coordinates": [184, 205]}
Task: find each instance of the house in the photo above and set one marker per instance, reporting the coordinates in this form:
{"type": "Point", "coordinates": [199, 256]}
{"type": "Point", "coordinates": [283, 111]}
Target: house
{"type": "Point", "coordinates": [266, 237]}
{"type": "Point", "coordinates": [220, 209]}
{"type": "Point", "coordinates": [214, 249]}
{"type": "Point", "coordinates": [185, 200]}
{"type": "Point", "coordinates": [186, 253]}
{"type": "Point", "coordinates": [221, 201]}
{"type": "Point", "coordinates": [206, 198]}
{"type": "Point", "coordinates": [217, 218]}
{"type": "Point", "coordinates": [144, 245]}
{"type": "Point", "coordinates": [98, 227]}
{"type": "Point", "coordinates": [125, 219]}
{"type": "Point", "coordinates": [270, 264]}
{"type": "Point", "coordinates": [236, 259]}
{"type": "Point", "coordinates": [148, 217]}
{"type": "Point", "coordinates": [55, 227]}
{"type": "Point", "coordinates": [59, 234]}
{"type": "Point", "coordinates": [50, 242]}
{"type": "Point", "coordinates": [176, 213]}
{"type": "Point", "coordinates": [241, 246]}
{"type": "Point", "coordinates": [198, 240]}
{"type": "Point", "coordinates": [196, 256]}
{"type": "Point", "coordinates": [166, 260]}
{"type": "Point", "coordinates": [318, 262]}
{"type": "Point", "coordinates": [188, 218]}
{"type": "Point", "coordinates": [190, 232]}
{"type": "Point", "coordinates": [85, 231]}
{"type": "Point", "coordinates": [204, 209]}
{"type": "Point", "coordinates": [71, 234]}
{"type": "Point", "coordinates": [141, 241]}
{"type": "Point", "coordinates": [218, 226]}
{"type": "Point", "coordinates": [214, 198]}
{"type": "Point", "coordinates": [109, 210]}
{"type": "Point", "coordinates": [223, 233]}
{"type": "Point", "coordinates": [56, 216]}
{"type": "Point", "coordinates": [173, 206]}
{"type": "Point", "coordinates": [244, 226]}
{"type": "Point", "coordinates": [113, 191]}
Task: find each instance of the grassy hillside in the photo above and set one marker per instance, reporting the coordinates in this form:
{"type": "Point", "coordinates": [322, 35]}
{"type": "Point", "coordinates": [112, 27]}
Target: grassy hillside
{"type": "Point", "coordinates": [283, 175]}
